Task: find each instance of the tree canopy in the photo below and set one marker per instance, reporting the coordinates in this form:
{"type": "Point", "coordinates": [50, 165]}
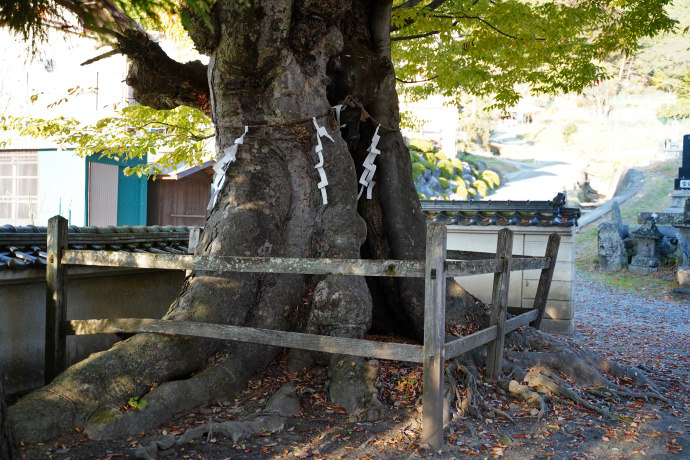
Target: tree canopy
{"type": "Point", "coordinates": [451, 47]}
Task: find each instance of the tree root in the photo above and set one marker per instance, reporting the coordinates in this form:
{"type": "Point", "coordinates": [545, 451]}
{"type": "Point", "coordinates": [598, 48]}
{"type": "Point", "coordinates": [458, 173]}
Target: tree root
{"type": "Point", "coordinates": [539, 366]}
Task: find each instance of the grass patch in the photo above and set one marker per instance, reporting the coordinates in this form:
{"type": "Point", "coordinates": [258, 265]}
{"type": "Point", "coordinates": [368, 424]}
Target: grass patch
{"type": "Point", "coordinates": [491, 162]}
{"type": "Point", "coordinates": [652, 197]}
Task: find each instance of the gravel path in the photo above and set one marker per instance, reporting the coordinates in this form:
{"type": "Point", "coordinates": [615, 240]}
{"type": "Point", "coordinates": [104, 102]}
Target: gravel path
{"type": "Point", "coordinates": [650, 331]}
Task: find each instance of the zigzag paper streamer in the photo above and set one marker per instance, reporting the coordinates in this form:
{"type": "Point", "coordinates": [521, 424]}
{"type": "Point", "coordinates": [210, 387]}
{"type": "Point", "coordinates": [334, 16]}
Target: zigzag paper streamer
{"type": "Point", "coordinates": [320, 132]}
{"type": "Point", "coordinates": [369, 167]}
{"type": "Point", "coordinates": [221, 167]}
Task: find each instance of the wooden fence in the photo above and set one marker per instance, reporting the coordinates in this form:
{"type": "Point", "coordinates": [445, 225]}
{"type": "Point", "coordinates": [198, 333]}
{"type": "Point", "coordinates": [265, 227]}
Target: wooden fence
{"type": "Point", "coordinates": [439, 265]}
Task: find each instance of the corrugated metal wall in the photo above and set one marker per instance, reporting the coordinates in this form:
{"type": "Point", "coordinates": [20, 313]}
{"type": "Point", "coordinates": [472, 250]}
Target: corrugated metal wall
{"type": "Point", "coordinates": [103, 193]}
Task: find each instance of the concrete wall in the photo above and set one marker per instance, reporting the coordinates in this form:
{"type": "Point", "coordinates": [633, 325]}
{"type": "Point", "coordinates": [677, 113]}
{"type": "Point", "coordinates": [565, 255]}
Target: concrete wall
{"type": "Point", "coordinates": [91, 293]}
{"type": "Point", "coordinates": [529, 241]}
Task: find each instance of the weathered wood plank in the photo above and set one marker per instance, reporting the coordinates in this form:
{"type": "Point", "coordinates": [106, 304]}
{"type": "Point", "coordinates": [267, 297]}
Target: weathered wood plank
{"type": "Point", "coordinates": [499, 297]}
{"type": "Point", "coordinates": [545, 278]}
{"type": "Point", "coordinates": [520, 320]}
{"type": "Point", "coordinates": [326, 344]}
{"type": "Point", "coordinates": [464, 344]}
{"type": "Point", "coordinates": [523, 263]}
{"type": "Point", "coordinates": [472, 267]}
{"type": "Point", "coordinates": [469, 255]}
{"type": "Point", "coordinates": [56, 298]}
{"type": "Point", "coordinates": [434, 334]}
{"type": "Point", "coordinates": [355, 267]}
{"type": "Point", "coordinates": [194, 238]}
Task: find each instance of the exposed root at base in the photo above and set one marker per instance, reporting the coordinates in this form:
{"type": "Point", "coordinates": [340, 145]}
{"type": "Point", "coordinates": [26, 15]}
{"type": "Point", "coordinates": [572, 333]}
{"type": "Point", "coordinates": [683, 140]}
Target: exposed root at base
{"type": "Point", "coordinates": [540, 368]}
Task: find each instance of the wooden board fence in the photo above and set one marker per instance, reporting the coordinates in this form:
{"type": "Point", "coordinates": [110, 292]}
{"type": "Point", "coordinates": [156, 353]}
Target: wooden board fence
{"type": "Point", "coordinates": [438, 266]}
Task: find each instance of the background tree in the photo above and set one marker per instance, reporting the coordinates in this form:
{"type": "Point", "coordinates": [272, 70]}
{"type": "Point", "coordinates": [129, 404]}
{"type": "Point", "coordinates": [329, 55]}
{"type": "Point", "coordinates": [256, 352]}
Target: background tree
{"type": "Point", "coordinates": [277, 67]}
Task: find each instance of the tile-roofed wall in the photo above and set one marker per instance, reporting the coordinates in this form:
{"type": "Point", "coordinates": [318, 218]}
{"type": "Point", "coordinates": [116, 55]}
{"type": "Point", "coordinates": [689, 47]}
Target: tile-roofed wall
{"type": "Point", "coordinates": [551, 213]}
{"type": "Point", "coordinates": [25, 247]}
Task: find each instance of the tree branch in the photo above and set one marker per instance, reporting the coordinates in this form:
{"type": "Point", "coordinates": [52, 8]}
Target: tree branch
{"type": "Point", "coordinates": [158, 81]}
{"type": "Point", "coordinates": [412, 37]}
{"type": "Point", "coordinates": [431, 7]}
{"type": "Point", "coordinates": [417, 81]}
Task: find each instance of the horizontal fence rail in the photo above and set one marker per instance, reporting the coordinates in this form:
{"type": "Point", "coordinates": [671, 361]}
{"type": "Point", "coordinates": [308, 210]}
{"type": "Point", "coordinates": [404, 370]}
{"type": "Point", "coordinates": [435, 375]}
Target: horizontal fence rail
{"type": "Point", "coordinates": [286, 339]}
{"type": "Point", "coordinates": [352, 267]}
{"type": "Point", "coordinates": [435, 269]}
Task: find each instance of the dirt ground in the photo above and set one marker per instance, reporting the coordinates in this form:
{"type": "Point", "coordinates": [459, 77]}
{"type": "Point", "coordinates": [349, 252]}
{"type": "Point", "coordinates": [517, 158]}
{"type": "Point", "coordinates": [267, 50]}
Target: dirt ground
{"type": "Point", "coordinates": [323, 431]}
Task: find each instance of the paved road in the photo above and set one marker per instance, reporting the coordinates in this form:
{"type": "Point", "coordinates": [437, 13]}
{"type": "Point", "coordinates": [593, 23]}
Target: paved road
{"type": "Point", "coordinates": [548, 172]}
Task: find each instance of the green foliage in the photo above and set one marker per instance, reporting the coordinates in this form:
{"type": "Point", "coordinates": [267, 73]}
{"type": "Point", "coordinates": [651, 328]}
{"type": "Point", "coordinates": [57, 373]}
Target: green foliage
{"type": "Point", "coordinates": [27, 18]}
{"type": "Point", "coordinates": [429, 165]}
{"type": "Point", "coordinates": [137, 403]}
{"type": "Point", "coordinates": [134, 132]}
{"type": "Point", "coordinates": [414, 157]}
{"type": "Point", "coordinates": [417, 170]}
{"type": "Point", "coordinates": [457, 164]}
{"type": "Point", "coordinates": [422, 144]}
{"type": "Point", "coordinates": [488, 48]}
{"type": "Point", "coordinates": [568, 131]}
{"type": "Point", "coordinates": [430, 157]}
{"type": "Point", "coordinates": [444, 183]}
{"type": "Point", "coordinates": [678, 110]}
{"type": "Point", "coordinates": [481, 188]}
{"type": "Point", "coordinates": [461, 190]}
{"type": "Point", "coordinates": [491, 178]}
{"type": "Point", "coordinates": [471, 193]}
{"type": "Point", "coordinates": [446, 168]}
{"type": "Point", "coordinates": [440, 155]}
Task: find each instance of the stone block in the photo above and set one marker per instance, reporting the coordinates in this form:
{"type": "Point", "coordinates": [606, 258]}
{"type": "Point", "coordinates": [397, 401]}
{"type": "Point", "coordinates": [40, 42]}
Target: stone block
{"type": "Point", "coordinates": [557, 326]}
{"type": "Point", "coordinates": [563, 272]}
{"type": "Point", "coordinates": [566, 250]}
{"type": "Point", "coordinates": [612, 254]}
{"type": "Point", "coordinates": [640, 270]}
{"type": "Point", "coordinates": [560, 290]}
{"type": "Point", "coordinates": [555, 309]}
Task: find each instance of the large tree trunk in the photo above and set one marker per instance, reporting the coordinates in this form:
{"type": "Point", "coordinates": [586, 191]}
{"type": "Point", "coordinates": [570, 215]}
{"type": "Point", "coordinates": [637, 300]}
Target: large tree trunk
{"type": "Point", "coordinates": [275, 65]}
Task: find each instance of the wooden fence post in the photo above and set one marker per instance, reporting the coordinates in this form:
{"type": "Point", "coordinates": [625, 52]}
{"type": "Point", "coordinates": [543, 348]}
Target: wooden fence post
{"type": "Point", "coordinates": [499, 298]}
{"type": "Point", "coordinates": [434, 334]}
{"type": "Point", "coordinates": [56, 277]}
{"type": "Point", "coordinates": [545, 279]}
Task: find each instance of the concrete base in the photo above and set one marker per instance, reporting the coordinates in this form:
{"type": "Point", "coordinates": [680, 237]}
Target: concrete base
{"type": "Point", "coordinates": [99, 292]}
{"type": "Point", "coordinates": [558, 326]}
{"type": "Point", "coordinates": [640, 270]}
{"type": "Point", "coordinates": [530, 241]}
{"type": "Point", "coordinates": [677, 204]}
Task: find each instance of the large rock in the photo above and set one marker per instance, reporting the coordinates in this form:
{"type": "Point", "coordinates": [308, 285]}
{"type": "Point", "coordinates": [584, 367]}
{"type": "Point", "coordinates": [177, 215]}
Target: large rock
{"type": "Point", "coordinates": [612, 253]}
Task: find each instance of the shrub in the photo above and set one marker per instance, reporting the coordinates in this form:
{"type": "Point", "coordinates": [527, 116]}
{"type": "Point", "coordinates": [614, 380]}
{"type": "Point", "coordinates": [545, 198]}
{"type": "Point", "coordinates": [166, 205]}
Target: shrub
{"type": "Point", "coordinates": [414, 157]}
{"type": "Point", "coordinates": [422, 196]}
{"type": "Point", "coordinates": [491, 178]}
{"type": "Point", "coordinates": [481, 187]}
{"type": "Point", "coordinates": [431, 157]}
{"type": "Point", "coordinates": [428, 165]}
{"type": "Point", "coordinates": [446, 168]}
{"type": "Point", "coordinates": [422, 144]}
{"type": "Point", "coordinates": [461, 190]}
{"type": "Point", "coordinates": [444, 182]}
{"type": "Point", "coordinates": [417, 170]}
{"type": "Point", "coordinates": [440, 155]}
{"type": "Point", "coordinates": [471, 193]}
{"type": "Point", "coordinates": [457, 164]}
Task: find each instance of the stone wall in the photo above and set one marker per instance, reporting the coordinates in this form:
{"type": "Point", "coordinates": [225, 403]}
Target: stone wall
{"type": "Point", "coordinates": [529, 241]}
{"type": "Point", "coordinates": [97, 292]}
